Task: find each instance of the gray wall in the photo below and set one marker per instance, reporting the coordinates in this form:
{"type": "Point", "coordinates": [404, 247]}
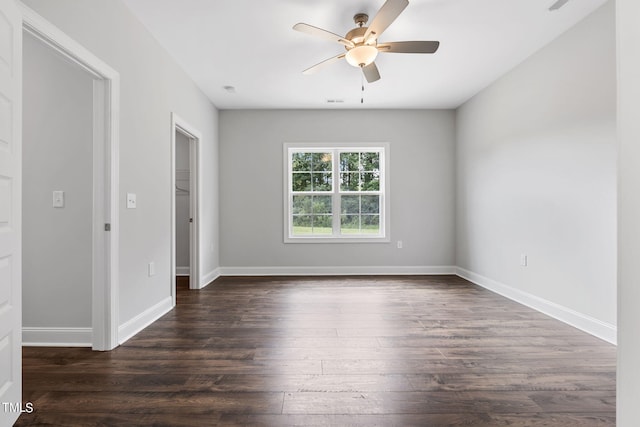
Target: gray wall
{"type": "Point", "coordinates": [421, 176]}
{"type": "Point", "coordinates": [536, 173]}
{"type": "Point", "coordinates": [57, 155]}
{"type": "Point", "coordinates": [152, 86]}
{"type": "Point", "coordinates": [628, 213]}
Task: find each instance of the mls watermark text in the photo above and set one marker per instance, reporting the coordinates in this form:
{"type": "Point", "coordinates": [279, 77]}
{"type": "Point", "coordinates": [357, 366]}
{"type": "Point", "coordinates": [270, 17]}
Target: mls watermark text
{"type": "Point", "coordinates": [26, 408]}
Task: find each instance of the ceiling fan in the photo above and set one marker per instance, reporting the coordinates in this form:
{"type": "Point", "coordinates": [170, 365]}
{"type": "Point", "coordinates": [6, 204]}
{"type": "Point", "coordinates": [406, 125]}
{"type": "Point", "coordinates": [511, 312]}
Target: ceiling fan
{"type": "Point", "coordinates": [558, 4]}
{"type": "Point", "coordinates": [361, 43]}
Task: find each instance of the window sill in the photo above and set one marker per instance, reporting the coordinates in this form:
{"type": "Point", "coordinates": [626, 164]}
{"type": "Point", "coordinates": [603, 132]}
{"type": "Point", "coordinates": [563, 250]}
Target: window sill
{"type": "Point", "coordinates": [340, 240]}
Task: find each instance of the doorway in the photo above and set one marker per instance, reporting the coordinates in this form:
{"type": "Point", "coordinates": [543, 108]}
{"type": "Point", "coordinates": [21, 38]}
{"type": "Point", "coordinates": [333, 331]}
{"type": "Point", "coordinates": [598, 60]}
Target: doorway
{"type": "Point", "coordinates": [57, 194]}
{"type": "Point", "coordinates": [185, 215]}
{"type": "Point", "coordinates": [99, 199]}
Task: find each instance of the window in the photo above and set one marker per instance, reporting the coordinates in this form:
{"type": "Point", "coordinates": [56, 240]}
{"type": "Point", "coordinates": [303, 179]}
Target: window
{"type": "Point", "coordinates": [336, 192]}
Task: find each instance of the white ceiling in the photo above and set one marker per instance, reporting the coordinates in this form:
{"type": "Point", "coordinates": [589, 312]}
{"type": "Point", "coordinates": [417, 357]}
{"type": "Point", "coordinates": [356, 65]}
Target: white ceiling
{"type": "Point", "coordinates": [250, 45]}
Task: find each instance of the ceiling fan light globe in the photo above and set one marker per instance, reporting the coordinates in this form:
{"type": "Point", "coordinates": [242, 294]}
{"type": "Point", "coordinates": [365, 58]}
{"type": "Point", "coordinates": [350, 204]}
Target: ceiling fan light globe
{"type": "Point", "coordinates": [361, 56]}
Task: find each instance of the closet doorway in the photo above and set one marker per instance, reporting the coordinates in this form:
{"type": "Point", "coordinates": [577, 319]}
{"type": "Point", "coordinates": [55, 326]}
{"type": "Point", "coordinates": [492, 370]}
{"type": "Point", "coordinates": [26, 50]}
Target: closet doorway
{"type": "Point", "coordinates": [185, 207]}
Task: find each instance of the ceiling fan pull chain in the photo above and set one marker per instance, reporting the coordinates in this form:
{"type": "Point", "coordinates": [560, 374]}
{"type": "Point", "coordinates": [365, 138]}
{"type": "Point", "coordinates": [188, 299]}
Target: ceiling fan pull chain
{"type": "Point", "coordinates": [362, 93]}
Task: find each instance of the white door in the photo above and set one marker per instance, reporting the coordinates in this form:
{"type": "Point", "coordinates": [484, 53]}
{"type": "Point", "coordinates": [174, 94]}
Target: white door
{"type": "Point", "coordinates": [10, 212]}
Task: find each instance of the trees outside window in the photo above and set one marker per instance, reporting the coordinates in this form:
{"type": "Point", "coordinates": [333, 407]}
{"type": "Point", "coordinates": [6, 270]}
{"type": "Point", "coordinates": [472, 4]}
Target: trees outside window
{"type": "Point", "coordinates": [335, 192]}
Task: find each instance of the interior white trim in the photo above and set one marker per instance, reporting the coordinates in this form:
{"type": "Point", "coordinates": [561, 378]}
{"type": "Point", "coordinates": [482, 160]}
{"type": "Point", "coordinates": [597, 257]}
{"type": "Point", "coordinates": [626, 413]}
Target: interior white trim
{"type": "Point", "coordinates": [56, 337]}
{"type": "Point", "coordinates": [595, 327]}
{"type": "Point", "coordinates": [183, 271]}
{"type": "Point", "coordinates": [106, 174]}
{"type": "Point", "coordinates": [210, 277]}
{"type": "Point", "coordinates": [337, 271]}
{"type": "Point", "coordinates": [144, 319]}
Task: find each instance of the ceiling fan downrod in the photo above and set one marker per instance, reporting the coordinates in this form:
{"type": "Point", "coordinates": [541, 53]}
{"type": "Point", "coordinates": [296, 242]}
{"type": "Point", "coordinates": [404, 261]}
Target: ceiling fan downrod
{"type": "Point", "coordinates": [360, 19]}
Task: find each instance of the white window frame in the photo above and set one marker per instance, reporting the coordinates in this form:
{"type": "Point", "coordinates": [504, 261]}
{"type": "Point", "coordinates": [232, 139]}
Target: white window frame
{"type": "Point", "coordinates": [336, 237]}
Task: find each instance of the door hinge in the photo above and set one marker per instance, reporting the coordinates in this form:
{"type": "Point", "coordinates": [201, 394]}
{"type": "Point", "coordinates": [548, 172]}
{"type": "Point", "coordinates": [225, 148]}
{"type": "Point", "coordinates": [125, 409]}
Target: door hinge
{"type": "Point", "coordinates": [107, 227]}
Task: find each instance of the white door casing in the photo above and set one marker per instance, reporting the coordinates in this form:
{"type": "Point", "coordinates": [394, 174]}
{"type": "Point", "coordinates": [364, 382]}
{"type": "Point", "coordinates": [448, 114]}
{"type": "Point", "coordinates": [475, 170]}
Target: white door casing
{"type": "Point", "coordinates": [10, 212]}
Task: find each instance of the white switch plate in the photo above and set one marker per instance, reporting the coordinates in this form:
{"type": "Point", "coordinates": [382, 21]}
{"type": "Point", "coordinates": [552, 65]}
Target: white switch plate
{"type": "Point", "coordinates": [152, 269]}
{"type": "Point", "coordinates": [131, 201]}
{"type": "Point", "coordinates": [399, 244]}
{"type": "Point", "coordinates": [523, 260]}
{"type": "Point", "coordinates": [58, 199]}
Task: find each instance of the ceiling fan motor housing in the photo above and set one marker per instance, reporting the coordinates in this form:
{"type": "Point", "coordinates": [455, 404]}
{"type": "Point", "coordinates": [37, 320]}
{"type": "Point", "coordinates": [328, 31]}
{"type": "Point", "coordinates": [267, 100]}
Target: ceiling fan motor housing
{"type": "Point", "coordinates": [356, 35]}
{"type": "Point", "coordinates": [362, 54]}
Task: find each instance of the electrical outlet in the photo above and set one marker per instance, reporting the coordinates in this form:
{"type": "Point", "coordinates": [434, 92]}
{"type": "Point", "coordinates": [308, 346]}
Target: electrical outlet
{"type": "Point", "coordinates": [131, 201]}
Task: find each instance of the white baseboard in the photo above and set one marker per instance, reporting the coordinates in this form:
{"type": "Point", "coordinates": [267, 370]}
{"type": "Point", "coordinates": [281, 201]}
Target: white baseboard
{"type": "Point", "coordinates": [57, 337]}
{"type": "Point", "coordinates": [598, 328]}
{"type": "Point", "coordinates": [210, 277]}
{"type": "Point", "coordinates": [336, 271]}
{"type": "Point", "coordinates": [144, 319]}
{"type": "Point", "coordinates": [183, 271]}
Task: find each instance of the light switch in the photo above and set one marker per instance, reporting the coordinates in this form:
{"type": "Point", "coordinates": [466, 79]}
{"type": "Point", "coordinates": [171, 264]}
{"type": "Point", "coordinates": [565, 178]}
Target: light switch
{"type": "Point", "coordinates": [131, 200]}
{"type": "Point", "coordinates": [58, 199]}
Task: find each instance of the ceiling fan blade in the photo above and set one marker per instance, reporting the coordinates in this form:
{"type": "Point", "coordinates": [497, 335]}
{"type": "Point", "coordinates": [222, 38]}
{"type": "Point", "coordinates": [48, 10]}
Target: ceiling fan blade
{"type": "Point", "coordinates": [558, 4]}
{"type": "Point", "coordinates": [319, 32]}
{"type": "Point", "coordinates": [324, 63]}
{"type": "Point", "coordinates": [385, 17]}
{"type": "Point", "coordinates": [409, 47]}
{"type": "Point", "coordinates": [371, 72]}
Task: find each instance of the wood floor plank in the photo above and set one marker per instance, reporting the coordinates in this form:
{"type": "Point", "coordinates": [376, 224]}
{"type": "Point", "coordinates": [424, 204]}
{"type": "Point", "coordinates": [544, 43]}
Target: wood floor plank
{"type": "Point", "coordinates": [325, 351]}
{"type": "Point", "coordinates": [186, 366]}
{"type": "Point", "coordinates": [533, 352]}
{"type": "Point", "coordinates": [299, 383]}
{"type": "Point", "coordinates": [581, 401]}
{"type": "Point", "coordinates": [121, 419]}
{"type": "Point", "coordinates": [329, 353]}
{"type": "Point", "coordinates": [429, 366]}
{"type": "Point", "coordinates": [470, 341]}
{"type": "Point", "coordinates": [408, 403]}
{"type": "Point", "coordinates": [421, 420]}
{"type": "Point", "coordinates": [561, 381]}
{"type": "Point", "coordinates": [185, 403]}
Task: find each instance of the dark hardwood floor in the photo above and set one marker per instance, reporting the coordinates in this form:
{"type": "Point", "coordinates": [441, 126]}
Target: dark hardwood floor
{"type": "Point", "coordinates": [344, 351]}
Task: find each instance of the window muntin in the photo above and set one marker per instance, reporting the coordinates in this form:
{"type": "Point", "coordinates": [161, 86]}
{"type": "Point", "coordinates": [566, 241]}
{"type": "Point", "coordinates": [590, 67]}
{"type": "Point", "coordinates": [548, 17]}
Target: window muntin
{"type": "Point", "coordinates": [321, 207]}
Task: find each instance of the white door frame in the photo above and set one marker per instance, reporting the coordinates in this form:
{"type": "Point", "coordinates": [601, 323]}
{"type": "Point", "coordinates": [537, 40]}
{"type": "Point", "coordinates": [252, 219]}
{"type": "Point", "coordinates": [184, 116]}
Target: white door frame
{"type": "Point", "coordinates": [195, 138]}
{"type": "Point", "coordinates": [106, 102]}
